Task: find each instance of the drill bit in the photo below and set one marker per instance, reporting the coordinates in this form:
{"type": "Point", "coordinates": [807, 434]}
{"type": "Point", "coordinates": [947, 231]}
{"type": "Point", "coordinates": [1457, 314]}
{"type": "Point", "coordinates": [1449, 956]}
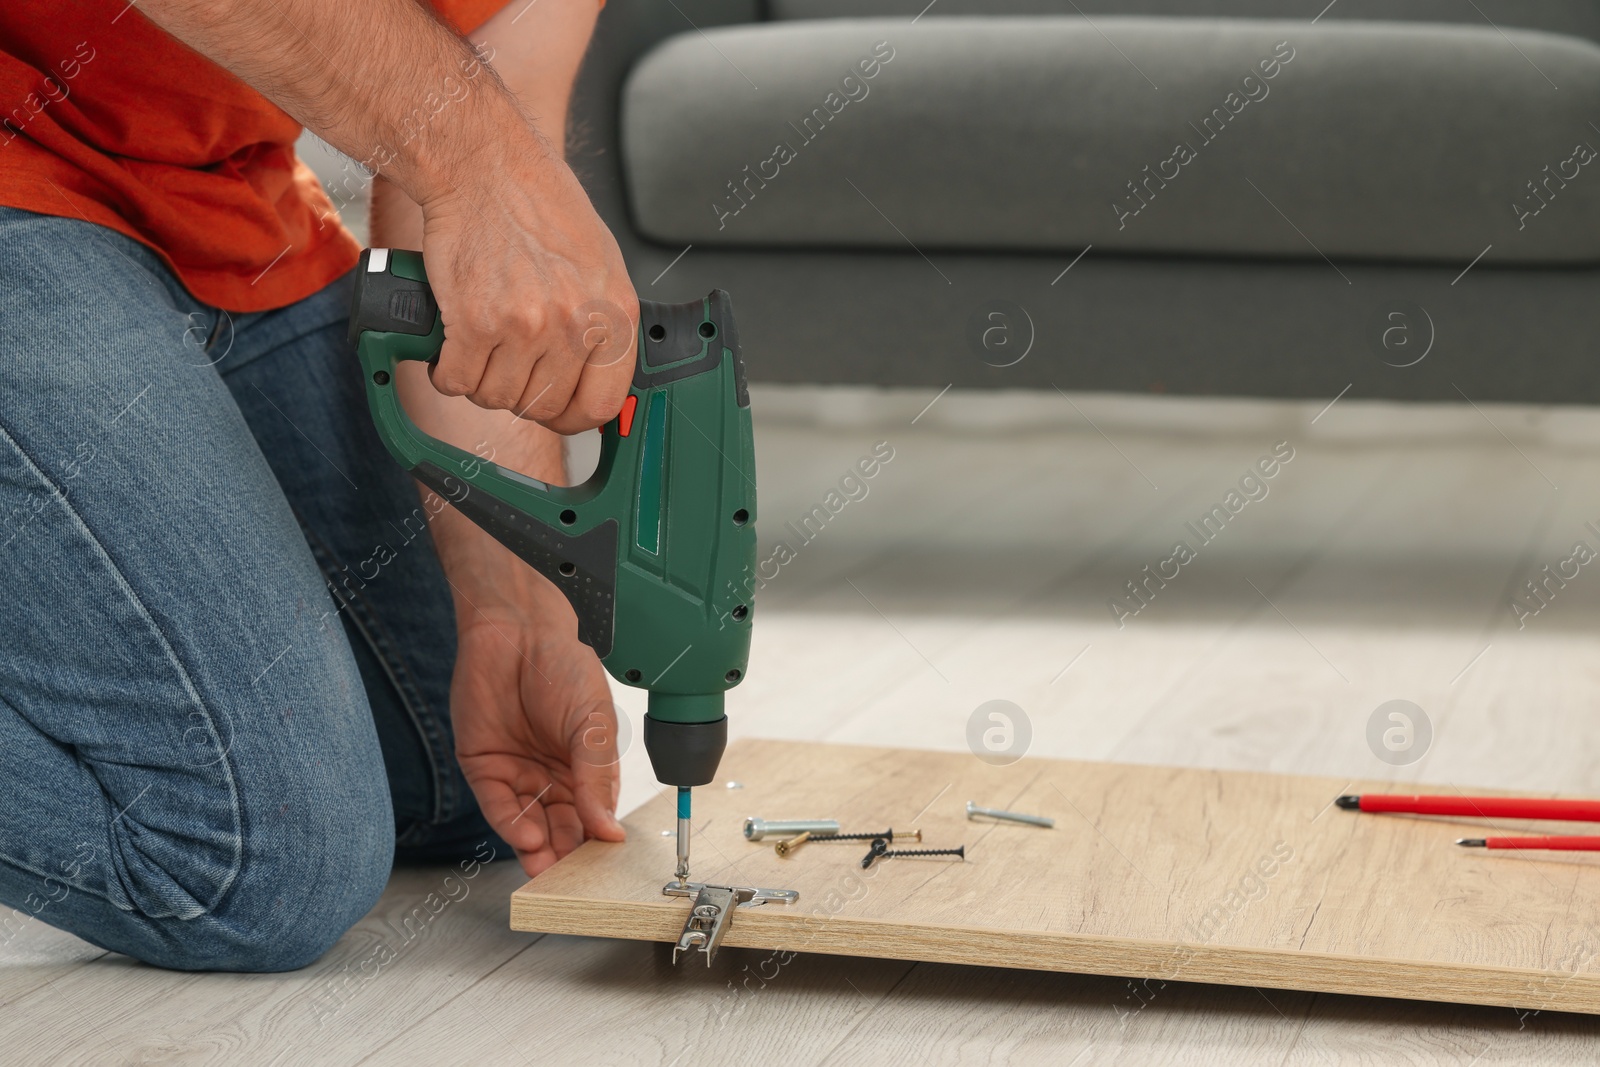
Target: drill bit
{"type": "Point", "coordinates": [683, 834]}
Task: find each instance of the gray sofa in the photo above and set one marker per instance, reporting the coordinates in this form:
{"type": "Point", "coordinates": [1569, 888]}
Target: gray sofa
{"type": "Point", "coordinates": [1401, 197]}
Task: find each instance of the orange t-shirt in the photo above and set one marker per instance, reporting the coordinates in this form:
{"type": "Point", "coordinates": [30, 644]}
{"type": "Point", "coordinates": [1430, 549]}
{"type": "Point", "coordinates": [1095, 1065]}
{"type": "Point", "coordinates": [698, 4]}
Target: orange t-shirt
{"type": "Point", "coordinates": [104, 117]}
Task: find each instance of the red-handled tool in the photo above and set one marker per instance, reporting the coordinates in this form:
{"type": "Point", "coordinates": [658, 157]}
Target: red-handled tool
{"type": "Point", "coordinates": [1563, 844]}
{"type": "Point", "coordinates": [1476, 807]}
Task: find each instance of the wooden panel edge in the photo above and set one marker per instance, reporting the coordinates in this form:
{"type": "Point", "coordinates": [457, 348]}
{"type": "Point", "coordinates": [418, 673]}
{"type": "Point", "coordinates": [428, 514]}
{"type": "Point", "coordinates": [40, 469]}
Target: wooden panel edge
{"type": "Point", "coordinates": [533, 912]}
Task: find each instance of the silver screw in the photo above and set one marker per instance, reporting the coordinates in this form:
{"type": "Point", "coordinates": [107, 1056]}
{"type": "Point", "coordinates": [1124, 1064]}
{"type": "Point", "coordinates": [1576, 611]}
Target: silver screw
{"type": "Point", "coordinates": [1010, 816]}
{"type": "Point", "coordinates": [755, 829]}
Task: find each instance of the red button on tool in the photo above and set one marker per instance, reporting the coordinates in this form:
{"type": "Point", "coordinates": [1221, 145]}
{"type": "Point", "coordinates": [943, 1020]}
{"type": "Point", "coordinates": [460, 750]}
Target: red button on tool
{"type": "Point", "coordinates": [625, 416]}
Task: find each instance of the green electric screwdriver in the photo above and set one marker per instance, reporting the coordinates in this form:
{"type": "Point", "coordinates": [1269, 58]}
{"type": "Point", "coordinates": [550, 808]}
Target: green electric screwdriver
{"type": "Point", "coordinates": [655, 551]}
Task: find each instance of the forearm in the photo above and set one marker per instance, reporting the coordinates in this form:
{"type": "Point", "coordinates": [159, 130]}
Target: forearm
{"type": "Point", "coordinates": [354, 72]}
{"type": "Point", "coordinates": [536, 52]}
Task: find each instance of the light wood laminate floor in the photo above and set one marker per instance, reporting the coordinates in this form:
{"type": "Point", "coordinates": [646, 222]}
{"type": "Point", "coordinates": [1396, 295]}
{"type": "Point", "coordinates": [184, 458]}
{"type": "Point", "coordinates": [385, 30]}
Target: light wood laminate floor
{"type": "Point", "coordinates": [977, 567]}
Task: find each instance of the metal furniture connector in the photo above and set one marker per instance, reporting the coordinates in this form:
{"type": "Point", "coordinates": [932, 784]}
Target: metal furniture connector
{"type": "Point", "coordinates": [712, 911]}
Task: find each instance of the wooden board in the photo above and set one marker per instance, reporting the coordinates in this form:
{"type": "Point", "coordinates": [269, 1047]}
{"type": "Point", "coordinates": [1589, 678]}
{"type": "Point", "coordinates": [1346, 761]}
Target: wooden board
{"type": "Point", "coordinates": [1152, 873]}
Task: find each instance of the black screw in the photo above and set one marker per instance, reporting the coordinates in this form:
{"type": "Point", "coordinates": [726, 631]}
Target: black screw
{"type": "Point", "coordinates": [887, 835]}
{"type": "Point", "coordinates": [880, 851]}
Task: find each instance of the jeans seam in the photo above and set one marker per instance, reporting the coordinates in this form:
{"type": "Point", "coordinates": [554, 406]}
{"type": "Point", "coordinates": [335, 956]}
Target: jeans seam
{"type": "Point", "coordinates": [418, 711]}
{"type": "Point", "coordinates": [172, 657]}
{"type": "Point", "coordinates": [371, 627]}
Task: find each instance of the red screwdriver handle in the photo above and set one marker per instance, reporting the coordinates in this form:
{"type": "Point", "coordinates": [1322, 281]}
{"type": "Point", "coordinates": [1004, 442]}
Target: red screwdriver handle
{"type": "Point", "coordinates": [1485, 807]}
{"type": "Point", "coordinates": [1562, 844]}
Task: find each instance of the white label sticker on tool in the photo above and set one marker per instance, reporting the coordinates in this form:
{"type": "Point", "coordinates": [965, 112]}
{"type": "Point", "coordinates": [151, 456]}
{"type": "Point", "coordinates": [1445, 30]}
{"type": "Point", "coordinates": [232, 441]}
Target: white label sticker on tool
{"type": "Point", "coordinates": [378, 261]}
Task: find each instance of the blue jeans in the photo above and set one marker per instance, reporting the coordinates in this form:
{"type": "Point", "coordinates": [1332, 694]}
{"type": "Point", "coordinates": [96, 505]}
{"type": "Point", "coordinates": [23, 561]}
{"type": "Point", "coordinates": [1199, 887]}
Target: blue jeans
{"type": "Point", "coordinates": [226, 643]}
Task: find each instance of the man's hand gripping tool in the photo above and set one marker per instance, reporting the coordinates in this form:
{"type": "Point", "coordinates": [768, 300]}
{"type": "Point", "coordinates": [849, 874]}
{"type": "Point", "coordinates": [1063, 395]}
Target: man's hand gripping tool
{"type": "Point", "coordinates": [655, 551]}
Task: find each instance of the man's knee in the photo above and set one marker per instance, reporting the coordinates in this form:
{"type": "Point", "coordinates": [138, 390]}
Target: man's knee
{"type": "Point", "coordinates": [289, 905]}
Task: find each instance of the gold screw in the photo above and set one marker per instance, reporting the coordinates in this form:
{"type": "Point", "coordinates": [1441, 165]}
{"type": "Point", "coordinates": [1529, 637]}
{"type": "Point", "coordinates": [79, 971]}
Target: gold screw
{"type": "Point", "coordinates": [915, 835]}
{"type": "Point", "coordinates": [782, 847]}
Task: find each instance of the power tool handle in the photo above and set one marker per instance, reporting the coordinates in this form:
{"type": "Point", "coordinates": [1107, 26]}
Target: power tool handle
{"type": "Point", "coordinates": [680, 569]}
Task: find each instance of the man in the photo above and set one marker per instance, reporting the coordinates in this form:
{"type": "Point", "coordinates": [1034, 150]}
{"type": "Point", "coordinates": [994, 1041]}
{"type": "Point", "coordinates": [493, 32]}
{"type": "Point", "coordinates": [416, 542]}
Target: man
{"type": "Point", "coordinates": [243, 665]}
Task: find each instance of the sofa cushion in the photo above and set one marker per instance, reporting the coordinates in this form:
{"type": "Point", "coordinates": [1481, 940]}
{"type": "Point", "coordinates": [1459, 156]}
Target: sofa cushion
{"type": "Point", "coordinates": [1580, 18]}
{"type": "Point", "coordinates": [1385, 141]}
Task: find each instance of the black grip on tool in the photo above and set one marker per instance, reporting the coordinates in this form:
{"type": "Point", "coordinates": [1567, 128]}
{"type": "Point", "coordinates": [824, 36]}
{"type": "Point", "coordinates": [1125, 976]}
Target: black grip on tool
{"type": "Point", "coordinates": [685, 753]}
{"type": "Point", "coordinates": [388, 303]}
{"type": "Point", "coordinates": [674, 335]}
{"type": "Point", "coordinates": [582, 565]}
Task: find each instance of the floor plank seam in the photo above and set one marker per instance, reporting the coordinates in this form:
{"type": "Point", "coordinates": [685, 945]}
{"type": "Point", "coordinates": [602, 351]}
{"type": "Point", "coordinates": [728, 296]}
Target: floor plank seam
{"type": "Point", "coordinates": [441, 1005]}
{"type": "Point", "coordinates": [1294, 1042]}
{"type": "Point", "coordinates": [870, 1012]}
